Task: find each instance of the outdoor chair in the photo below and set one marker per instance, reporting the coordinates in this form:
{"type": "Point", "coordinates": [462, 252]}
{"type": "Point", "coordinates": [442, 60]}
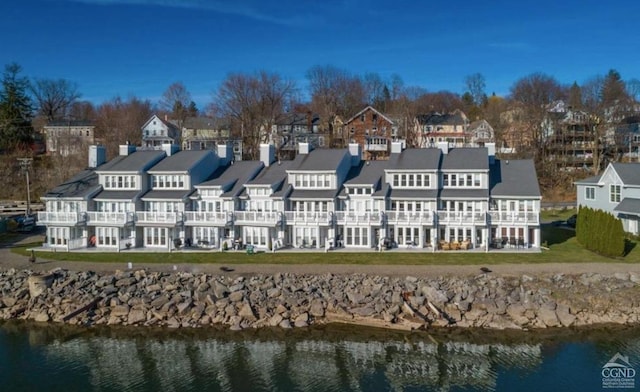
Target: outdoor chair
{"type": "Point", "coordinates": [512, 242]}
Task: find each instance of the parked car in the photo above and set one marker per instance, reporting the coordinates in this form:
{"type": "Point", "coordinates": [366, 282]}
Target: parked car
{"type": "Point", "coordinates": [571, 222]}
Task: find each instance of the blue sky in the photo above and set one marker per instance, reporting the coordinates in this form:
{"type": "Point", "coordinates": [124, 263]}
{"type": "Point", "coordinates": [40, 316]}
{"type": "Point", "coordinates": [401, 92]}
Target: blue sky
{"type": "Point", "coordinates": [139, 47]}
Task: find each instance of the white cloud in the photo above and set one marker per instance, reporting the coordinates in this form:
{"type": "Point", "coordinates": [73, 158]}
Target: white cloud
{"type": "Point", "coordinates": [248, 11]}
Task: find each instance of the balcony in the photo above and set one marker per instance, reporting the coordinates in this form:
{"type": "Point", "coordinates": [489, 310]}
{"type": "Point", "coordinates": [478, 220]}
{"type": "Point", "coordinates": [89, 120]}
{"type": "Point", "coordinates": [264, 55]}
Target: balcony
{"type": "Point", "coordinates": [270, 218]}
{"type": "Point", "coordinates": [207, 218]}
{"type": "Point", "coordinates": [358, 218]}
{"type": "Point", "coordinates": [96, 218]}
{"type": "Point", "coordinates": [461, 217]}
{"type": "Point", "coordinates": [162, 218]}
{"type": "Point", "coordinates": [375, 147]}
{"type": "Point", "coordinates": [308, 218]}
{"type": "Point", "coordinates": [409, 218]}
{"type": "Point", "coordinates": [514, 217]}
{"type": "Point", "coordinates": [61, 218]}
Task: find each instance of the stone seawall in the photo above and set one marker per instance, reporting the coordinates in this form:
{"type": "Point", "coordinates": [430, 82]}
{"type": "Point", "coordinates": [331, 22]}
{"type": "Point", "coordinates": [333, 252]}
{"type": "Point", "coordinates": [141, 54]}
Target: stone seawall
{"type": "Point", "coordinates": [184, 300]}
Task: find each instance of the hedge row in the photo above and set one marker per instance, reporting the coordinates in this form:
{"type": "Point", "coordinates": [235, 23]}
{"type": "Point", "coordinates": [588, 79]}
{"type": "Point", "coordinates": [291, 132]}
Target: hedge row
{"type": "Point", "coordinates": [600, 232]}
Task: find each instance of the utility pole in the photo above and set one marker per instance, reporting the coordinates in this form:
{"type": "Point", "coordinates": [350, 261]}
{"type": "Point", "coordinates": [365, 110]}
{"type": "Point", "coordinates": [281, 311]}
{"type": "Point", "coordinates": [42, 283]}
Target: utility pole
{"type": "Point", "coordinates": [25, 165]}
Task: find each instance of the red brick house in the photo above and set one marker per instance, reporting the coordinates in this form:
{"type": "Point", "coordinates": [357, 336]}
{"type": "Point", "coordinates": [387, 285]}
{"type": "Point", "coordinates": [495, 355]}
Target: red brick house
{"type": "Point", "coordinates": [373, 131]}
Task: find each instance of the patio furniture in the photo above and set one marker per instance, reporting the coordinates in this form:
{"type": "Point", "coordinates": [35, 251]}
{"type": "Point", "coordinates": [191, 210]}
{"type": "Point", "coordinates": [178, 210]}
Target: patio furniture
{"type": "Point", "coordinates": [512, 242]}
{"type": "Point", "coordinates": [521, 242]}
{"type": "Point", "coordinates": [465, 245]}
{"type": "Point", "coordinates": [445, 246]}
{"type": "Point", "coordinates": [455, 245]}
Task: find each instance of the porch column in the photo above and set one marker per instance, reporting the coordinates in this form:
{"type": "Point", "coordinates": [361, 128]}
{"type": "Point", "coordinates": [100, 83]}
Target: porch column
{"type": "Point", "coordinates": [486, 233]}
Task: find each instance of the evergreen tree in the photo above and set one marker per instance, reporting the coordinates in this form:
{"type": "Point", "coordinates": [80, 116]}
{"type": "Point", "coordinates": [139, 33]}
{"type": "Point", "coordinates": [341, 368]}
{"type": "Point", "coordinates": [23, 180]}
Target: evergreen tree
{"type": "Point", "coordinates": [15, 109]}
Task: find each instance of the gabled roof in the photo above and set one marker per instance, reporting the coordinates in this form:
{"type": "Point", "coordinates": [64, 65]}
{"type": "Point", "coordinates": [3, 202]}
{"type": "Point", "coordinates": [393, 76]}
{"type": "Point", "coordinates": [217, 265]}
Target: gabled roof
{"type": "Point", "coordinates": [168, 123]}
{"type": "Point", "coordinates": [182, 161]}
{"type": "Point", "coordinates": [366, 173]}
{"type": "Point", "coordinates": [298, 119]}
{"type": "Point", "coordinates": [320, 160]}
{"type": "Point", "coordinates": [134, 162]}
{"type": "Point", "coordinates": [369, 108]}
{"type": "Point", "coordinates": [514, 178]}
{"type": "Point", "coordinates": [427, 159]}
{"type": "Point", "coordinates": [434, 118]}
{"type": "Point", "coordinates": [629, 173]}
{"type": "Point", "coordinates": [247, 172]}
{"type": "Point", "coordinates": [73, 123]}
{"type": "Point", "coordinates": [478, 124]}
{"type": "Point", "coordinates": [81, 185]}
{"type": "Point", "coordinates": [466, 158]}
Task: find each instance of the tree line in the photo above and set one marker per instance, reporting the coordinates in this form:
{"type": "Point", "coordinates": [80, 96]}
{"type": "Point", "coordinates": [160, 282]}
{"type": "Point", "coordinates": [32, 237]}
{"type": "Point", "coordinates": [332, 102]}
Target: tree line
{"type": "Point", "coordinates": [254, 101]}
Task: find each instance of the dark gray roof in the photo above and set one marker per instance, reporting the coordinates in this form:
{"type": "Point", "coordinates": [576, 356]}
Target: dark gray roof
{"type": "Point", "coordinates": [135, 162]}
{"type": "Point", "coordinates": [273, 174]}
{"type": "Point", "coordinates": [166, 194]}
{"type": "Point", "coordinates": [182, 161]}
{"type": "Point", "coordinates": [589, 181]}
{"type": "Point", "coordinates": [245, 171]}
{"type": "Point", "coordinates": [454, 193]}
{"type": "Point", "coordinates": [629, 172]}
{"type": "Point", "coordinates": [416, 159]}
{"type": "Point", "coordinates": [435, 118]}
{"type": "Point", "coordinates": [313, 194]}
{"type": "Point", "coordinates": [226, 174]}
{"type": "Point", "coordinates": [629, 205]}
{"type": "Point", "coordinates": [514, 178]}
{"type": "Point", "coordinates": [399, 194]}
{"type": "Point", "coordinates": [323, 159]}
{"type": "Point", "coordinates": [82, 184]}
{"type": "Point", "coordinates": [366, 173]}
{"type": "Point", "coordinates": [116, 195]}
{"type": "Point", "coordinates": [466, 158]}
{"type": "Point", "coordinates": [73, 123]}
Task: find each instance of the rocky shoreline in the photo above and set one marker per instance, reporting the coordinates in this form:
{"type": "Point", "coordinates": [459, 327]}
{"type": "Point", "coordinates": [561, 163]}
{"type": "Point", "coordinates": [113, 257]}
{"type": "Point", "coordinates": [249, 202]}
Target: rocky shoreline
{"type": "Point", "coordinates": [195, 300]}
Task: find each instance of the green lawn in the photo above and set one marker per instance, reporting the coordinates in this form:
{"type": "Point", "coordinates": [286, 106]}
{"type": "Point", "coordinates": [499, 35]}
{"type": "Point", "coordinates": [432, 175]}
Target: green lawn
{"type": "Point", "coordinates": [561, 243]}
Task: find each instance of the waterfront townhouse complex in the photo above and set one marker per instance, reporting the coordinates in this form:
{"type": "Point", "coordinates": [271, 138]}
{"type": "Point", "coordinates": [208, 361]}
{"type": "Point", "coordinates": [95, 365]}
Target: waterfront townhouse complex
{"type": "Point", "coordinates": [432, 199]}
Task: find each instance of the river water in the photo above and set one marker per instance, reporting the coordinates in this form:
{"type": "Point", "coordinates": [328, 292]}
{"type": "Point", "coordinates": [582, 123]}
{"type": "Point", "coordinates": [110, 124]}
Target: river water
{"type": "Point", "coordinates": [336, 358]}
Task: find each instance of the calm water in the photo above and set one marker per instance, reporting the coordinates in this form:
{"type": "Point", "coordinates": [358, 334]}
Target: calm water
{"type": "Point", "coordinates": [59, 358]}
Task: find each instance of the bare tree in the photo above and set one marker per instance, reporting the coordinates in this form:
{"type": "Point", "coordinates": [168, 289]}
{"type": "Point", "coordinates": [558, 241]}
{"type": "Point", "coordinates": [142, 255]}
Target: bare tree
{"type": "Point", "coordinates": [54, 97]}
{"type": "Point", "coordinates": [119, 121]}
{"type": "Point", "coordinates": [254, 103]}
{"type": "Point", "coordinates": [475, 84]}
{"type": "Point", "coordinates": [531, 96]}
{"type": "Point", "coordinates": [334, 93]}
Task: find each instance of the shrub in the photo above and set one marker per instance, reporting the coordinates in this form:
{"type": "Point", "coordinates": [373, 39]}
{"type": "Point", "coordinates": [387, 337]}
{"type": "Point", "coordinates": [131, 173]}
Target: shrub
{"type": "Point", "coordinates": [600, 232]}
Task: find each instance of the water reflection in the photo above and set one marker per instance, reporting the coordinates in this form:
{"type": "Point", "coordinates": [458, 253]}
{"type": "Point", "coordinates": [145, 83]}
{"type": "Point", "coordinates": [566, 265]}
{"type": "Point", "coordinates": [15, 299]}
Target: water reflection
{"type": "Point", "coordinates": [318, 360]}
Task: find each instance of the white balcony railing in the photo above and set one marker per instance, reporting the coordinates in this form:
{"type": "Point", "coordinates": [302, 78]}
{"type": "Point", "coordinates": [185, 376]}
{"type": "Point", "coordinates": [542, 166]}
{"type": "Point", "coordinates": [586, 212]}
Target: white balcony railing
{"type": "Point", "coordinates": [351, 217]}
{"type": "Point", "coordinates": [195, 218]}
{"type": "Point", "coordinates": [514, 217]}
{"type": "Point", "coordinates": [109, 218]}
{"type": "Point", "coordinates": [376, 147]}
{"type": "Point", "coordinates": [461, 217]}
{"type": "Point", "coordinates": [61, 218]}
{"type": "Point", "coordinates": [150, 217]}
{"type": "Point", "coordinates": [415, 218]}
{"type": "Point", "coordinates": [295, 217]}
{"type": "Point", "coordinates": [256, 217]}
